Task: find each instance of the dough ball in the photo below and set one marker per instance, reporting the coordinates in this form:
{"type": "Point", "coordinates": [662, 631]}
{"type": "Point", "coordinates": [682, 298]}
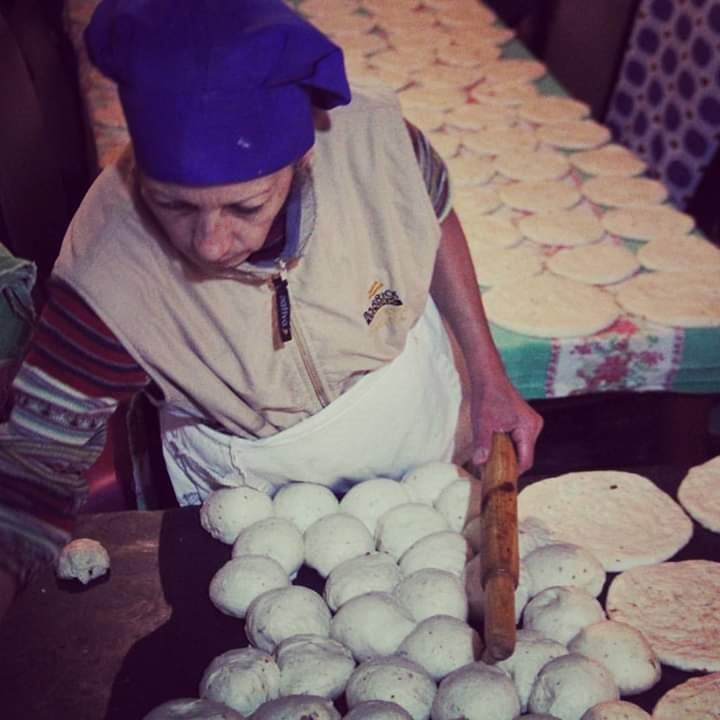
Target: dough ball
{"type": "Point", "coordinates": [304, 503]}
{"type": "Point", "coordinates": [623, 650]}
{"type": "Point", "coordinates": [453, 503]}
{"type": "Point", "coordinates": [433, 592]}
{"type": "Point", "coordinates": [539, 716]}
{"type": "Point", "coordinates": [82, 559]}
{"type": "Point", "coordinates": [565, 564]}
{"type": "Point", "coordinates": [240, 580]}
{"type": "Point", "coordinates": [372, 572]}
{"type": "Point", "coordinates": [370, 499]}
{"type": "Point", "coordinates": [441, 644]}
{"type": "Point", "coordinates": [393, 679]}
{"type": "Point", "coordinates": [403, 525]}
{"type": "Point", "coordinates": [298, 707]}
{"type": "Point", "coordinates": [527, 660]}
{"type": "Point", "coordinates": [279, 614]}
{"type": "Point", "coordinates": [476, 594]}
{"type": "Point", "coordinates": [274, 537]}
{"type": "Point", "coordinates": [560, 613]}
{"type": "Point", "coordinates": [193, 709]}
{"type": "Point", "coordinates": [378, 710]}
{"type": "Point", "coordinates": [313, 665]}
{"type": "Point", "coordinates": [242, 679]}
{"type": "Point", "coordinates": [444, 550]}
{"type": "Point", "coordinates": [473, 534]}
{"type": "Point", "coordinates": [476, 692]}
{"type": "Point", "coordinates": [333, 539]}
{"type": "Point", "coordinates": [228, 511]}
{"type": "Point", "coordinates": [371, 625]}
{"type": "Point", "coordinates": [571, 684]}
{"type": "Point", "coordinates": [616, 710]}
{"type": "Point", "coordinates": [426, 482]}
{"type": "Point", "coordinates": [532, 534]}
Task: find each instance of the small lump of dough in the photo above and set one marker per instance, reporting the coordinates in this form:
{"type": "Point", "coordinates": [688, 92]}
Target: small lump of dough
{"type": "Point", "coordinates": [304, 503]}
{"type": "Point", "coordinates": [228, 511]}
{"type": "Point", "coordinates": [313, 665]}
{"type": "Point", "coordinates": [403, 525]}
{"type": "Point", "coordinates": [623, 650]}
{"type": "Point", "coordinates": [371, 625]}
{"type": "Point", "coordinates": [370, 499]}
{"type": "Point", "coordinates": [444, 550]}
{"type": "Point", "coordinates": [616, 710]}
{"type": "Point", "coordinates": [559, 613]}
{"type": "Point", "coordinates": [441, 644]}
{"type": "Point", "coordinates": [453, 503]}
{"type": "Point", "coordinates": [274, 537]}
{"type": "Point", "coordinates": [193, 709]}
{"type": "Point", "coordinates": [333, 539]}
{"type": "Point", "coordinates": [571, 684]}
{"type": "Point", "coordinates": [240, 580]}
{"type": "Point", "coordinates": [378, 710]}
{"type": "Point", "coordinates": [393, 679]}
{"type": "Point", "coordinates": [476, 692]}
{"type": "Point", "coordinates": [426, 482]}
{"type": "Point", "coordinates": [371, 572]}
{"type": "Point", "coordinates": [433, 592]}
{"type": "Point", "coordinates": [241, 679]}
{"type": "Point", "coordinates": [82, 559]}
{"type": "Point", "coordinates": [279, 614]}
{"type": "Point", "coordinates": [564, 564]}
{"type": "Point", "coordinates": [297, 707]}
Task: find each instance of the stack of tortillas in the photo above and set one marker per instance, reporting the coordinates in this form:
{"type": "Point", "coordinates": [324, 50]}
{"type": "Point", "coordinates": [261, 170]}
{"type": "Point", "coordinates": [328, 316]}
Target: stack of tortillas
{"type": "Point", "coordinates": [699, 494]}
{"type": "Point", "coordinates": [623, 518]}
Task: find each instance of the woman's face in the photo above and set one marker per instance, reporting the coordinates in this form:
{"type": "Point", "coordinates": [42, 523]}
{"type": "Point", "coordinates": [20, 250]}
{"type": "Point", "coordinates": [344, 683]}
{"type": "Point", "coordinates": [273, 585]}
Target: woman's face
{"type": "Point", "coordinates": [217, 227]}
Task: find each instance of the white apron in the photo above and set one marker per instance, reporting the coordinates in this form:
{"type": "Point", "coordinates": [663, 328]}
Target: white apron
{"type": "Point", "coordinates": [395, 418]}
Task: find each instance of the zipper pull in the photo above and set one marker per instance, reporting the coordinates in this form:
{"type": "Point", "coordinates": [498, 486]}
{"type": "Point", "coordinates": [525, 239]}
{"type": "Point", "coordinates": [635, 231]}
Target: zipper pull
{"type": "Point", "coordinates": [282, 303]}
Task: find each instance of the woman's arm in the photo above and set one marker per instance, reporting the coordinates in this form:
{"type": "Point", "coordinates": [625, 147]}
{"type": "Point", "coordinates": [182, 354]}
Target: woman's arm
{"type": "Point", "coordinates": [495, 404]}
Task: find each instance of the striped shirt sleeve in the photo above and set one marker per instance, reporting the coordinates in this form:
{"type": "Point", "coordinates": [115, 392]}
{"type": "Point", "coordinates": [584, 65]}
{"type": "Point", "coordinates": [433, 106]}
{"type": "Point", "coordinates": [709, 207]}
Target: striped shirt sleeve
{"type": "Point", "coordinates": [434, 171]}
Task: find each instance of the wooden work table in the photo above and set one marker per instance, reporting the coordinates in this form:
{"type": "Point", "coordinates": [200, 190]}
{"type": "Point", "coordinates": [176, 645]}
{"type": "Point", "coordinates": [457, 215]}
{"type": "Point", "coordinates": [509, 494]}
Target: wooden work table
{"type": "Point", "coordinates": [144, 634]}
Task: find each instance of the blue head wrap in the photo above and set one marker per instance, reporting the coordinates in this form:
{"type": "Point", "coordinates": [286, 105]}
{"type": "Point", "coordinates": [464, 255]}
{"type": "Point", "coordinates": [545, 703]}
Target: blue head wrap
{"type": "Point", "coordinates": [216, 91]}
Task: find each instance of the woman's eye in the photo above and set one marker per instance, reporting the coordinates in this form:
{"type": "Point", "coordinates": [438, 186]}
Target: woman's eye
{"type": "Point", "coordinates": [244, 210]}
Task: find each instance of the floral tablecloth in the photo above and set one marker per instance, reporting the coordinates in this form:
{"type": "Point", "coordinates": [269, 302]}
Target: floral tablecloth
{"type": "Point", "coordinates": [631, 355]}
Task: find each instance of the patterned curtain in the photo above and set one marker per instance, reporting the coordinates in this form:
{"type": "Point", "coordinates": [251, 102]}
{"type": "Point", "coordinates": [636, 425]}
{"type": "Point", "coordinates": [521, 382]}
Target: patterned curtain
{"type": "Point", "coordinates": [666, 103]}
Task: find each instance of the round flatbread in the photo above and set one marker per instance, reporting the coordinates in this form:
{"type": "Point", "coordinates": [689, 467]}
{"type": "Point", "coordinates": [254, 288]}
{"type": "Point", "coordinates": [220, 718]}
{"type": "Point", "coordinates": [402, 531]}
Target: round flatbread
{"type": "Point", "coordinates": [500, 140]}
{"type": "Point", "coordinates": [539, 196]}
{"type": "Point", "coordinates": [473, 200]}
{"type": "Point", "coordinates": [513, 70]}
{"type": "Point", "coordinates": [623, 518]}
{"type": "Point", "coordinates": [567, 228]}
{"type": "Point", "coordinates": [676, 299]}
{"type": "Point", "coordinates": [550, 109]}
{"type": "Point", "coordinates": [477, 117]}
{"type": "Point", "coordinates": [676, 605]}
{"type": "Point", "coordinates": [600, 263]}
{"type": "Point", "coordinates": [611, 159]}
{"type": "Point", "coordinates": [493, 230]}
{"type": "Point", "coordinates": [647, 223]}
{"type": "Point", "coordinates": [435, 98]}
{"type": "Point", "coordinates": [624, 192]}
{"type": "Point", "coordinates": [451, 76]}
{"type": "Point", "coordinates": [497, 266]}
{"type": "Point", "coordinates": [506, 94]}
{"type": "Point", "coordinates": [470, 169]}
{"type": "Point", "coordinates": [547, 305]}
{"type": "Point", "coordinates": [696, 699]}
{"type": "Point", "coordinates": [462, 56]}
{"type": "Point", "coordinates": [574, 135]}
{"type": "Point", "coordinates": [699, 493]}
{"type": "Point", "coordinates": [445, 144]}
{"type": "Point", "coordinates": [537, 165]}
{"type": "Point", "coordinates": [683, 253]}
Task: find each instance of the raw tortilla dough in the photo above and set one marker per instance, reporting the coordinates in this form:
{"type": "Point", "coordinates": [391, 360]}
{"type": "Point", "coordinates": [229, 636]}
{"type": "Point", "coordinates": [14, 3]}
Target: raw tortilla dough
{"type": "Point", "coordinates": [445, 144]}
{"type": "Point", "coordinates": [493, 230]}
{"type": "Point", "coordinates": [370, 499]}
{"type": "Point", "coordinates": [461, 56]}
{"type": "Point", "coordinates": [447, 76]}
{"type": "Point", "coordinates": [567, 564]}
{"type": "Point", "coordinates": [513, 70]}
{"type": "Point", "coordinates": [682, 253]}
{"type": "Point", "coordinates": [426, 482]}
{"type": "Point", "coordinates": [470, 169]}
{"type": "Point", "coordinates": [333, 539]}
{"type": "Point", "coordinates": [676, 606]}
{"type": "Point", "coordinates": [472, 201]}
{"type": "Point", "coordinates": [546, 305]}
{"type": "Point", "coordinates": [675, 299]}
{"type": "Point", "coordinates": [615, 710]}
{"type": "Point", "coordinates": [574, 135]}
{"type": "Point", "coordinates": [378, 710]}
{"type": "Point", "coordinates": [498, 266]}
{"type": "Point", "coordinates": [444, 550]}
{"type": "Point", "coordinates": [500, 140]}
{"type": "Point", "coordinates": [623, 518]}
{"type": "Point", "coordinates": [699, 493]}
{"type": "Point", "coordinates": [624, 192]}
{"type": "Point", "coordinates": [539, 196]}
{"type": "Point", "coordinates": [600, 263]}
{"type": "Point", "coordinates": [429, 592]}
{"type": "Point", "coordinates": [273, 537]}
{"type": "Point", "coordinates": [228, 511]}
{"type": "Point", "coordinates": [294, 707]}
{"type": "Point", "coordinates": [193, 709]}
{"type": "Point", "coordinates": [400, 527]}
{"type": "Point", "coordinates": [82, 559]}
{"type": "Point", "coordinates": [507, 94]}
{"type": "Point", "coordinates": [535, 165]}
{"type": "Point", "coordinates": [695, 699]}
{"type": "Point", "coordinates": [304, 503]}
{"type": "Point", "coordinates": [551, 109]}
{"type": "Point", "coordinates": [576, 226]}
{"type": "Point", "coordinates": [647, 223]}
{"type": "Point", "coordinates": [478, 118]}
{"type": "Point", "coordinates": [611, 159]}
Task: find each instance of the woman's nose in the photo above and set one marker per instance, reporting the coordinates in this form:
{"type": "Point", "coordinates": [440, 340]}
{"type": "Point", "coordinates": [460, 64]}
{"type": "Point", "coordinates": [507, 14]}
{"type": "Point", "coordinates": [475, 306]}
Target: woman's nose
{"type": "Point", "coordinates": [210, 240]}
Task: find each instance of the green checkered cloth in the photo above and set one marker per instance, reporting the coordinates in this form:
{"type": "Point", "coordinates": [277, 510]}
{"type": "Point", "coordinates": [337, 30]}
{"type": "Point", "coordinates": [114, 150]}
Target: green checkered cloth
{"type": "Point", "coordinates": [17, 312]}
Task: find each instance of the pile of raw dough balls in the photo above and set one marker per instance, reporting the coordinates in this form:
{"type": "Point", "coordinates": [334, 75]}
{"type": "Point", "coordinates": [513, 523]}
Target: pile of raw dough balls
{"type": "Point", "coordinates": [389, 636]}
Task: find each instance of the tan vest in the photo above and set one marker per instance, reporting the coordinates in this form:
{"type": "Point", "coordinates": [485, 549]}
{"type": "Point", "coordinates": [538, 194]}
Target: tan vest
{"type": "Point", "coordinates": [368, 240]}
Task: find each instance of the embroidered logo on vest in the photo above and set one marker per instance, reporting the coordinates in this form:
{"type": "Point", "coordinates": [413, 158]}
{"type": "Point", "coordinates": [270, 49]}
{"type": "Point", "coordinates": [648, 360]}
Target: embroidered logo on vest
{"type": "Point", "coordinates": [379, 298]}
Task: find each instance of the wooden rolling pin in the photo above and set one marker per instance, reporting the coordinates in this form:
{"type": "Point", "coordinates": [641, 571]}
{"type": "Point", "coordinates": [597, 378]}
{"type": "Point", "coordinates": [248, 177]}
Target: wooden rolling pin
{"type": "Point", "coordinates": [494, 500]}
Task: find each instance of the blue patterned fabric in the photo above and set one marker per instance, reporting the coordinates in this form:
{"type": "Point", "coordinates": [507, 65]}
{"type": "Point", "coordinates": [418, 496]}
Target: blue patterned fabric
{"type": "Point", "coordinates": [666, 104]}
